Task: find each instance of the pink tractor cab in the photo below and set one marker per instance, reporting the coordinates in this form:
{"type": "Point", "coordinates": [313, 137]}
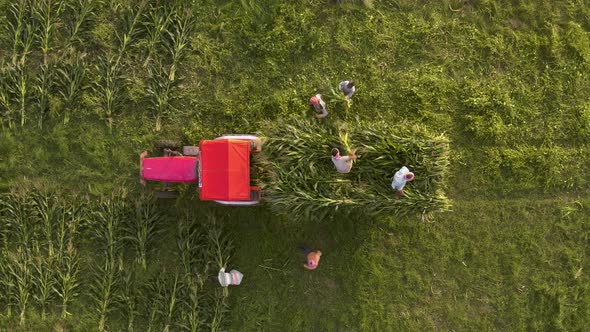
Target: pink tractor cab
{"type": "Point", "coordinates": [221, 167]}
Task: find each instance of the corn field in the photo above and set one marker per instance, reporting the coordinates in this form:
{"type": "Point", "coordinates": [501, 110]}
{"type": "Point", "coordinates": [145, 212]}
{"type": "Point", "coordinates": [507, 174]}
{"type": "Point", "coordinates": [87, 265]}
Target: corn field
{"type": "Point", "coordinates": [62, 63]}
{"type": "Point", "coordinates": [64, 257]}
{"type": "Point", "coordinates": [298, 174]}
{"type": "Point", "coordinates": [87, 85]}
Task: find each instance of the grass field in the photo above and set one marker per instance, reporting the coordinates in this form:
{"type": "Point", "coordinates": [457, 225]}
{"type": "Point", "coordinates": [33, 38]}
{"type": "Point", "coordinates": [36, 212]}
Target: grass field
{"type": "Point", "coordinates": [87, 85]}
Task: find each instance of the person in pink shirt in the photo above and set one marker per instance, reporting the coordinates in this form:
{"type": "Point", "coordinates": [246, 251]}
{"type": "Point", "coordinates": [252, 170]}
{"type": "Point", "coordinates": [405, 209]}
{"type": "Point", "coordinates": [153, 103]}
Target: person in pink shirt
{"type": "Point", "coordinates": [313, 258]}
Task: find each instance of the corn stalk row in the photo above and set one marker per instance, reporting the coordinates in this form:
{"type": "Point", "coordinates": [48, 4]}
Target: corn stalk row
{"type": "Point", "coordinates": [40, 262]}
{"type": "Point", "coordinates": [60, 251]}
{"type": "Point", "coordinates": [45, 73]}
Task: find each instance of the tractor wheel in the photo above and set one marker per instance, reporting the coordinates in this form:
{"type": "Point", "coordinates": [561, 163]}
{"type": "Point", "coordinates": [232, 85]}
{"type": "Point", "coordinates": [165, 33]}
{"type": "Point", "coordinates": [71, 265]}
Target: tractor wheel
{"type": "Point", "coordinates": [168, 144]}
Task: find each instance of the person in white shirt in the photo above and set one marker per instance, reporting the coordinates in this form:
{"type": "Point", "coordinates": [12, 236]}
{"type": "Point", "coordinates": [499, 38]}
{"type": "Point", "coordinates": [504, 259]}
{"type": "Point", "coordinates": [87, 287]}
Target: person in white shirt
{"type": "Point", "coordinates": [347, 88]}
{"type": "Point", "coordinates": [234, 277]}
{"type": "Point", "coordinates": [343, 163]}
{"type": "Point", "coordinates": [400, 178]}
{"type": "Point", "coordinates": [319, 105]}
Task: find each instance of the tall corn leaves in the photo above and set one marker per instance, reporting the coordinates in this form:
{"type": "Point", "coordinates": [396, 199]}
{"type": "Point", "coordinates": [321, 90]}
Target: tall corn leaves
{"type": "Point", "coordinates": [192, 252]}
{"type": "Point", "coordinates": [14, 94]}
{"type": "Point", "coordinates": [16, 264]}
{"type": "Point", "coordinates": [219, 251]}
{"type": "Point", "coordinates": [17, 276]}
{"type": "Point", "coordinates": [160, 92]}
{"type": "Point", "coordinates": [109, 89]}
{"type": "Point", "coordinates": [298, 175]}
{"type": "Point", "coordinates": [155, 24]}
{"type": "Point", "coordinates": [42, 259]}
{"type": "Point", "coordinates": [78, 16]}
{"type": "Point", "coordinates": [22, 29]}
{"type": "Point", "coordinates": [142, 228]}
{"type": "Point", "coordinates": [68, 259]}
{"type": "Point", "coordinates": [167, 32]}
{"type": "Point", "coordinates": [70, 83]}
{"type": "Point", "coordinates": [46, 13]}
{"type": "Point", "coordinates": [9, 109]}
{"type": "Point", "coordinates": [39, 260]}
{"type": "Point", "coordinates": [179, 298]}
{"type": "Point", "coordinates": [107, 230]}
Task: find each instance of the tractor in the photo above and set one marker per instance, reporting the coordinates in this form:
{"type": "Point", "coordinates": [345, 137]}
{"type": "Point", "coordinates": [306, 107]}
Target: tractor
{"type": "Point", "coordinates": [220, 167]}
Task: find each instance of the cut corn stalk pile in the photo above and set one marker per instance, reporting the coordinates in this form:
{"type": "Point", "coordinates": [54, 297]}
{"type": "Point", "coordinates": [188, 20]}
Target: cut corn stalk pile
{"type": "Point", "coordinates": [299, 176]}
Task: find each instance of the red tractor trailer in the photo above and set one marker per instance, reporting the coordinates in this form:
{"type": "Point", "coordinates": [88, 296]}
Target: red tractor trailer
{"type": "Point", "coordinates": [221, 167]}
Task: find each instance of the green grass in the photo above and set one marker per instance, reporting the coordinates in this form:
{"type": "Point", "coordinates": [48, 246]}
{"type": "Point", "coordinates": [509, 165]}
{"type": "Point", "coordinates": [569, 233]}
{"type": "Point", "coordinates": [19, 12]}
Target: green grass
{"type": "Point", "coordinates": [505, 81]}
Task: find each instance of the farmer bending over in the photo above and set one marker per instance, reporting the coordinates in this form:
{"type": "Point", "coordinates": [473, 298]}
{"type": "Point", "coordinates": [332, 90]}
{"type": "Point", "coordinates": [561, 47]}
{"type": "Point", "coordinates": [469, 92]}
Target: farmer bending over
{"type": "Point", "coordinates": [399, 180]}
{"type": "Point", "coordinates": [347, 88]}
{"type": "Point", "coordinates": [343, 163]}
{"type": "Point", "coordinates": [319, 105]}
{"type": "Point", "coordinates": [234, 277]}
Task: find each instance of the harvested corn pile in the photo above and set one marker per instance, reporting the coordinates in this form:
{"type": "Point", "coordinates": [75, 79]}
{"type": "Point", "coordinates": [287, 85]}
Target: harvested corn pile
{"type": "Point", "coordinates": [298, 175]}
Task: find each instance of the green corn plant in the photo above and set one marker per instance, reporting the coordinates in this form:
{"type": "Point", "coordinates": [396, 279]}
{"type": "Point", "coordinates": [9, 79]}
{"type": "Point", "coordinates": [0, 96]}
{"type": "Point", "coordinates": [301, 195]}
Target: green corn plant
{"type": "Point", "coordinates": [159, 92]}
{"type": "Point", "coordinates": [6, 284]}
{"type": "Point", "coordinates": [161, 299]}
{"type": "Point", "coordinates": [179, 35]}
{"type": "Point", "coordinates": [43, 280]}
{"type": "Point", "coordinates": [191, 244]}
{"type": "Point", "coordinates": [190, 302]}
{"type": "Point", "coordinates": [47, 210]}
{"type": "Point", "coordinates": [155, 25]}
{"type": "Point", "coordinates": [219, 251]}
{"type": "Point", "coordinates": [129, 297]}
{"type": "Point", "coordinates": [220, 246]}
{"type": "Point", "coordinates": [107, 230]}
{"type": "Point", "coordinates": [142, 229]}
{"type": "Point", "coordinates": [186, 244]}
{"type": "Point", "coordinates": [26, 41]}
{"type": "Point", "coordinates": [8, 110]}
{"type": "Point", "coordinates": [67, 225]}
{"type": "Point", "coordinates": [17, 212]}
{"type": "Point", "coordinates": [115, 6]}
{"type": "Point", "coordinates": [21, 81]}
{"type": "Point", "coordinates": [46, 13]}
{"type": "Point", "coordinates": [109, 89]}
{"type": "Point", "coordinates": [154, 300]}
{"type": "Point", "coordinates": [42, 92]}
{"type": "Point", "coordinates": [62, 227]}
{"type": "Point", "coordinates": [131, 21]}
{"type": "Point", "coordinates": [171, 302]}
{"type": "Point", "coordinates": [4, 220]}
{"type": "Point", "coordinates": [19, 267]}
{"type": "Point", "coordinates": [19, 14]}
{"type": "Point", "coordinates": [220, 308]}
{"type": "Point", "coordinates": [4, 223]}
{"type": "Point", "coordinates": [67, 278]}
{"type": "Point", "coordinates": [105, 288]}
{"type": "Point", "coordinates": [81, 13]}
{"type": "Point", "coordinates": [71, 85]}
